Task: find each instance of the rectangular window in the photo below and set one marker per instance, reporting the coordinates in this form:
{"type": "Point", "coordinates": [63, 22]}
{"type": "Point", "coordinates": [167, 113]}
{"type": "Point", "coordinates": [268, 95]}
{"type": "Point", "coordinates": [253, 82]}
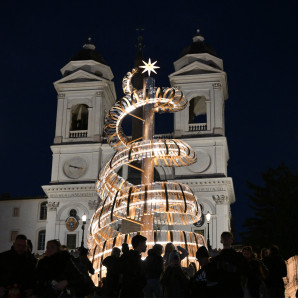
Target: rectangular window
{"type": "Point", "coordinates": [41, 240]}
{"type": "Point", "coordinates": [13, 235]}
{"type": "Point", "coordinates": [71, 241]}
{"type": "Point", "coordinates": [16, 212]}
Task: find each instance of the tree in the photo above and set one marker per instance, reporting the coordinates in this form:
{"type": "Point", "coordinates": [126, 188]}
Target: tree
{"type": "Point", "coordinates": [275, 206]}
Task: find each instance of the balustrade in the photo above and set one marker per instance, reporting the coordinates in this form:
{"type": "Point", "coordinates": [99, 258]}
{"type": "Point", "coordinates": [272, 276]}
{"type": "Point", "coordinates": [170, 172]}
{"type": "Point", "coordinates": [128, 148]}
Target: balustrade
{"type": "Point", "coordinates": [78, 134]}
{"type": "Point", "coordinates": [197, 127]}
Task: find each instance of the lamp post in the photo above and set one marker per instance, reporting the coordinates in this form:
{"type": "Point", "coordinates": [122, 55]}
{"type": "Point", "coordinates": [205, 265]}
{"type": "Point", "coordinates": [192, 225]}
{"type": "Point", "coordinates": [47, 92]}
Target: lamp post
{"type": "Point", "coordinates": [84, 218]}
{"type": "Point", "coordinates": [208, 216]}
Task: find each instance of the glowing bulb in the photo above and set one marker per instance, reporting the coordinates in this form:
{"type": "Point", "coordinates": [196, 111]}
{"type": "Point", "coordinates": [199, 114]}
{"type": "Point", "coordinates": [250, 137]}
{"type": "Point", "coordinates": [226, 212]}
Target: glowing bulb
{"type": "Point", "coordinates": [208, 216]}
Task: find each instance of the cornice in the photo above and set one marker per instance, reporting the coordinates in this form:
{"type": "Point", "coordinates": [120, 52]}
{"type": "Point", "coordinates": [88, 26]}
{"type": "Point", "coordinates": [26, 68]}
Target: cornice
{"type": "Point", "coordinates": [70, 191]}
{"type": "Point", "coordinates": [215, 186]}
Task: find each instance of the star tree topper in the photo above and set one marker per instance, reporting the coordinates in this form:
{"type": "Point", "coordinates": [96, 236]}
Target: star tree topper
{"type": "Point", "coordinates": [149, 66]}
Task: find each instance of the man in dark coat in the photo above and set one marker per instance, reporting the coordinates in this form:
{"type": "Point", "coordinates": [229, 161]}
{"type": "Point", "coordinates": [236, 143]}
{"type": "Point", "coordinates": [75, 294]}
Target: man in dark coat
{"type": "Point", "coordinates": [111, 283]}
{"type": "Point", "coordinates": [200, 286]}
{"type": "Point", "coordinates": [58, 275]}
{"type": "Point", "coordinates": [17, 269]}
{"type": "Point", "coordinates": [132, 271]}
{"type": "Point", "coordinates": [228, 269]}
{"type": "Point", "coordinates": [277, 270]}
{"type": "Point", "coordinates": [153, 266]}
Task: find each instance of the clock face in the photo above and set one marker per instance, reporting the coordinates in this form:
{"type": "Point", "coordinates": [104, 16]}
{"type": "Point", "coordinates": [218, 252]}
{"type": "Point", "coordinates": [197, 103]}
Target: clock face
{"type": "Point", "coordinates": [75, 167]}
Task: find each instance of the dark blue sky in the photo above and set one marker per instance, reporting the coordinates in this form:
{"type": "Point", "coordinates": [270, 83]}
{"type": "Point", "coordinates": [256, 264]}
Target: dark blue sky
{"type": "Point", "coordinates": [257, 41]}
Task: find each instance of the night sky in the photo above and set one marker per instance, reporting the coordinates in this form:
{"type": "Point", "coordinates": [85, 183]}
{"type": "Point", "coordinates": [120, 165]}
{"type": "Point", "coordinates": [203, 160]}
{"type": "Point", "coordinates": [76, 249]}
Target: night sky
{"type": "Point", "coordinates": [257, 41]}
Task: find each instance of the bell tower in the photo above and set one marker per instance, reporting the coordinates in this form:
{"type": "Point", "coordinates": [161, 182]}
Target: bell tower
{"type": "Point", "coordinates": [84, 93]}
{"type": "Point", "coordinates": [200, 76]}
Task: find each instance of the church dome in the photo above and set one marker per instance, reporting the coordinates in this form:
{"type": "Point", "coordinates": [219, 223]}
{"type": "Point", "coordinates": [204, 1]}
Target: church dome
{"type": "Point", "coordinates": [88, 53]}
{"type": "Point", "coordinates": [198, 46]}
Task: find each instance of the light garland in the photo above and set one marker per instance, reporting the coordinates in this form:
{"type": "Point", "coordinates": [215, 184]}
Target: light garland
{"type": "Point", "coordinates": [150, 204]}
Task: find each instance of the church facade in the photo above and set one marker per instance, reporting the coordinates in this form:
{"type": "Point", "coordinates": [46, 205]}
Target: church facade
{"type": "Point", "coordinates": [85, 93]}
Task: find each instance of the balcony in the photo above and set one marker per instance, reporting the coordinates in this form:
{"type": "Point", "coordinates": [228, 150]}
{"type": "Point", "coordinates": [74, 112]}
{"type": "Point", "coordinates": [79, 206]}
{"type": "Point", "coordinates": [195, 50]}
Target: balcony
{"type": "Point", "coordinates": [78, 134]}
{"type": "Point", "coordinates": [197, 127]}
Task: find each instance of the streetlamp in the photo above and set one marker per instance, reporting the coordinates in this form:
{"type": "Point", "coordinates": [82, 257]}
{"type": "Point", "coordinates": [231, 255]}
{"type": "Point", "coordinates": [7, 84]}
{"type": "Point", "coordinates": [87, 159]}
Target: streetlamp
{"type": "Point", "coordinates": [208, 217]}
{"type": "Point", "coordinates": [84, 218]}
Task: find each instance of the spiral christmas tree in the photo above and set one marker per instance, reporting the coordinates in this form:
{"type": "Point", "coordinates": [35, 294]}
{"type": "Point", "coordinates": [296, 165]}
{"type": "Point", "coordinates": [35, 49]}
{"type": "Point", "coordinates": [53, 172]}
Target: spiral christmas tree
{"type": "Point", "coordinates": [151, 204]}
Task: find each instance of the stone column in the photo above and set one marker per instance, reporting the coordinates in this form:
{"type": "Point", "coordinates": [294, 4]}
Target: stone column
{"type": "Point", "coordinates": [51, 220]}
{"type": "Point", "coordinates": [222, 214]}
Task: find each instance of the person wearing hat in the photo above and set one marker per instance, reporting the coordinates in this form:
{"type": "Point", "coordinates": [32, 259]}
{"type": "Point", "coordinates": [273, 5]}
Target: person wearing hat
{"type": "Point", "coordinates": [131, 269]}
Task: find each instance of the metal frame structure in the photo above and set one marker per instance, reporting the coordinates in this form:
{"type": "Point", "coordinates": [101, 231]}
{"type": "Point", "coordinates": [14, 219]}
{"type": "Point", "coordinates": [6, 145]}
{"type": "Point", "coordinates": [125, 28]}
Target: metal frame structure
{"type": "Point", "coordinates": [149, 204]}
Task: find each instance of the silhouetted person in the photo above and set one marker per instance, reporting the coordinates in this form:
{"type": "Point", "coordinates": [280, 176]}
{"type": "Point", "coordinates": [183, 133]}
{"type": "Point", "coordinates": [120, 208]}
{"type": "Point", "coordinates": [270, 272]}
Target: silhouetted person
{"type": "Point", "coordinates": [57, 274]}
{"type": "Point", "coordinates": [256, 274]}
{"type": "Point", "coordinates": [200, 285]}
{"type": "Point", "coordinates": [174, 280]}
{"type": "Point", "coordinates": [277, 270]}
{"type": "Point", "coordinates": [265, 252]}
{"type": "Point", "coordinates": [153, 266]}
{"type": "Point", "coordinates": [133, 276]}
{"type": "Point", "coordinates": [85, 266]}
{"type": "Point", "coordinates": [17, 269]}
{"type": "Point", "coordinates": [228, 269]}
{"type": "Point", "coordinates": [83, 263]}
{"type": "Point", "coordinates": [111, 283]}
{"type": "Point", "coordinates": [183, 253]}
{"type": "Point", "coordinates": [125, 248]}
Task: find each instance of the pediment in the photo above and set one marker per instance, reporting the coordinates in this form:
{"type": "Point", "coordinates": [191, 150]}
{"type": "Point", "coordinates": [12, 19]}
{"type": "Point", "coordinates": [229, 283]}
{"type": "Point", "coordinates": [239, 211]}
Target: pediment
{"type": "Point", "coordinates": [195, 68]}
{"type": "Point", "coordinates": [79, 76]}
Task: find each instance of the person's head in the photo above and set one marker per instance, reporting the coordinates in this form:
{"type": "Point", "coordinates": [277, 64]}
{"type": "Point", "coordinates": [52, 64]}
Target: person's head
{"type": "Point", "coordinates": [116, 252]}
{"type": "Point", "coordinates": [83, 252]}
{"type": "Point", "coordinates": [125, 248]}
{"type": "Point", "coordinates": [174, 258]}
{"type": "Point", "coordinates": [169, 248]}
{"type": "Point", "coordinates": [202, 256]}
{"type": "Point", "coordinates": [264, 252]}
{"type": "Point", "coordinates": [20, 245]}
{"type": "Point", "coordinates": [226, 239]}
{"type": "Point", "coordinates": [247, 252]}
{"type": "Point", "coordinates": [158, 249]}
{"type": "Point", "coordinates": [274, 250]}
{"type": "Point", "coordinates": [138, 243]}
{"type": "Point", "coordinates": [53, 247]}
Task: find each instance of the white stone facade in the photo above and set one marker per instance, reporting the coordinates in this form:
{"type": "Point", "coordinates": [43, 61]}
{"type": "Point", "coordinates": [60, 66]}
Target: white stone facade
{"type": "Point", "coordinates": [21, 216]}
{"type": "Point", "coordinates": [84, 95]}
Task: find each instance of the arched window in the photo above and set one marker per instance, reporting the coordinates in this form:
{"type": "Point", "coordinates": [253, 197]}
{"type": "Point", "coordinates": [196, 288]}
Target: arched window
{"type": "Point", "coordinates": [43, 211]}
{"type": "Point", "coordinates": [197, 110]}
{"type": "Point", "coordinates": [41, 240]}
{"type": "Point", "coordinates": [79, 117]}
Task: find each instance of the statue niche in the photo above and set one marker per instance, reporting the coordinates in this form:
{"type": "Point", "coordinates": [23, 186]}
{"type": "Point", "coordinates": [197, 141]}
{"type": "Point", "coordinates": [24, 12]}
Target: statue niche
{"type": "Point", "coordinates": [197, 110]}
{"type": "Point", "coordinates": [79, 117]}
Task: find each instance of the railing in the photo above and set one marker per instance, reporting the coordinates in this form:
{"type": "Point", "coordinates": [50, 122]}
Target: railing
{"type": "Point", "coordinates": [197, 127]}
{"type": "Point", "coordinates": [78, 134]}
{"type": "Point", "coordinates": [164, 136]}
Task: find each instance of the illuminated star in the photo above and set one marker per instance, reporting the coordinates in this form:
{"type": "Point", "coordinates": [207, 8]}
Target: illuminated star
{"type": "Point", "coordinates": [149, 67]}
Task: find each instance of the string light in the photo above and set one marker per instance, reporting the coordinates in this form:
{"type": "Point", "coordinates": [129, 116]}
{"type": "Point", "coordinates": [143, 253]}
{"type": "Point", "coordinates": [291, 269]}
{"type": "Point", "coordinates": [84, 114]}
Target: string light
{"type": "Point", "coordinates": [166, 203]}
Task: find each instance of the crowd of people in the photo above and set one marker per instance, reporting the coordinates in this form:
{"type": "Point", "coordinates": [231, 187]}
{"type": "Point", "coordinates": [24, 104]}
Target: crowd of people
{"type": "Point", "coordinates": [228, 273]}
{"type": "Point", "coordinates": [55, 274]}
